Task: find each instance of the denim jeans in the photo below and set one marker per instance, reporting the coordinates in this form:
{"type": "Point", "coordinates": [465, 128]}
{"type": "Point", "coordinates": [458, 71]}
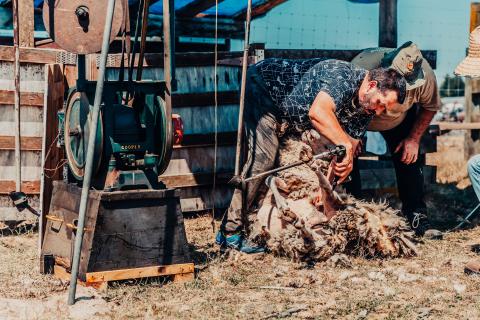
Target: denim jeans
{"type": "Point", "coordinates": [260, 122]}
{"type": "Point", "coordinates": [474, 173]}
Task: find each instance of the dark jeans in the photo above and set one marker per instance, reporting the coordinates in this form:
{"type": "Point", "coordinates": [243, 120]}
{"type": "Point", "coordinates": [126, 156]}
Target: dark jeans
{"type": "Point", "coordinates": [260, 122]}
{"type": "Point", "coordinates": [410, 180]}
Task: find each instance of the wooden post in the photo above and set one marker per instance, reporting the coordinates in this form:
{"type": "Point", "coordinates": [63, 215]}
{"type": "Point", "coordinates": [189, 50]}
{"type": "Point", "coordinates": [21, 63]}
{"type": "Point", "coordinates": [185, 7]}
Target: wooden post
{"type": "Point", "coordinates": [469, 83]}
{"type": "Point", "coordinates": [16, 72]}
{"type": "Point", "coordinates": [387, 32]}
{"type": "Point", "coordinates": [51, 154]}
{"type": "Point", "coordinates": [26, 23]}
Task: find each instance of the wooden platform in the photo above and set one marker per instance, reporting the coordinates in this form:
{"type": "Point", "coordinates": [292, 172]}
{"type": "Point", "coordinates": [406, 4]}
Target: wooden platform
{"type": "Point", "coordinates": [99, 280]}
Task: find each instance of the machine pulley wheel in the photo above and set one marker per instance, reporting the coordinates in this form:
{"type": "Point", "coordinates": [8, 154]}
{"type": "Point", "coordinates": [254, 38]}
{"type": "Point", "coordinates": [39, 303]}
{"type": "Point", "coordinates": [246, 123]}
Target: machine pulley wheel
{"type": "Point", "coordinates": [166, 135]}
{"type": "Point", "coordinates": [76, 133]}
{"type": "Point", "coordinates": [77, 26]}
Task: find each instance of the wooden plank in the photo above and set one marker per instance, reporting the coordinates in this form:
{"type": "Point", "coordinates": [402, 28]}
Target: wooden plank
{"type": "Point", "coordinates": [387, 33]}
{"type": "Point", "coordinates": [204, 99]}
{"type": "Point", "coordinates": [187, 59]}
{"type": "Point", "coordinates": [36, 55]}
{"type": "Point", "coordinates": [29, 187]}
{"type": "Point", "coordinates": [195, 7]}
{"type": "Point", "coordinates": [54, 91]}
{"type": "Point", "coordinates": [223, 138]}
{"type": "Point", "coordinates": [260, 9]}
{"type": "Point", "coordinates": [26, 143]}
{"type": "Point", "coordinates": [199, 27]}
{"type": "Point", "coordinates": [347, 55]}
{"type": "Point", "coordinates": [135, 273]}
{"type": "Point", "coordinates": [26, 23]}
{"type": "Point", "coordinates": [474, 15]}
{"type": "Point", "coordinates": [34, 99]}
{"type": "Point", "coordinates": [458, 126]}
{"type": "Point", "coordinates": [195, 179]}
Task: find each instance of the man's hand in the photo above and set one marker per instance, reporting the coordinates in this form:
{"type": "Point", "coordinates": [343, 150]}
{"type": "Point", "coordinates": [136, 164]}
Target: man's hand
{"type": "Point", "coordinates": [342, 169]}
{"type": "Point", "coordinates": [410, 148]}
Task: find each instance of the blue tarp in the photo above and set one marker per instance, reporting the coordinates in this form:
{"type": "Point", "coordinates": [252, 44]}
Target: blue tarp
{"type": "Point", "coordinates": [226, 8]}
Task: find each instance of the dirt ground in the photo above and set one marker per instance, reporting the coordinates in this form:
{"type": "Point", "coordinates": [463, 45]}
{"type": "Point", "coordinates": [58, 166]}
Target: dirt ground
{"type": "Point", "coordinates": [236, 286]}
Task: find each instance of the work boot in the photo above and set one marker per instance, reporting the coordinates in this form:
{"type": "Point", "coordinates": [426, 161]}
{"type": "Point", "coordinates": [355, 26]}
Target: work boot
{"type": "Point", "coordinates": [472, 267]}
{"type": "Point", "coordinates": [237, 241]}
{"type": "Point", "coordinates": [421, 226]}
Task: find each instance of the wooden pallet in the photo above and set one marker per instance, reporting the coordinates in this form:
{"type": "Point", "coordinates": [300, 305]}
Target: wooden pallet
{"type": "Point", "coordinates": [99, 280]}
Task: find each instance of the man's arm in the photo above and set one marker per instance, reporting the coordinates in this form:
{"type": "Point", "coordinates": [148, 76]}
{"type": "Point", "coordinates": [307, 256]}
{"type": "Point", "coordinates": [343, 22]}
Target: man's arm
{"type": "Point", "coordinates": [411, 144]}
{"type": "Point", "coordinates": [323, 118]}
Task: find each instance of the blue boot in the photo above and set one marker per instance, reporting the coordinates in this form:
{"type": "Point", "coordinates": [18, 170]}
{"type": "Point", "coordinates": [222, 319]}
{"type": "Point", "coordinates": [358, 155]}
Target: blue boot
{"type": "Point", "coordinates": [237, 241]}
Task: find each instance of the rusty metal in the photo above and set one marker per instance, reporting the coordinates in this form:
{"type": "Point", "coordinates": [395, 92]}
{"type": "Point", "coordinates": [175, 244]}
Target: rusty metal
{"type": "Point", "coordinates": [77, 25]}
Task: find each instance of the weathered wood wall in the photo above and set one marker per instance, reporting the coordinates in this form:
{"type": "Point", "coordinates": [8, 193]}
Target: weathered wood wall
{"type": "Point", "coordinates": [41, 84]}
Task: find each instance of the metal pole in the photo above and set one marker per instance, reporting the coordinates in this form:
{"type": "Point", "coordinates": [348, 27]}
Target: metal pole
{"type": "Point", "coordinates": [16, 40]}
{"type": "Point", "coordinates": [90, 153]}
{"type": "Point", "coordinates": [242, 89]}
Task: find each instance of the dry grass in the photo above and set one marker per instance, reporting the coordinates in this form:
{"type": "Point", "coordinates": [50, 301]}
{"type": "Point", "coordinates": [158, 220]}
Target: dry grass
{"type": "Point", "coordinates": [430, 286]}
{"type": "Point", "coordinates": [236, 286]}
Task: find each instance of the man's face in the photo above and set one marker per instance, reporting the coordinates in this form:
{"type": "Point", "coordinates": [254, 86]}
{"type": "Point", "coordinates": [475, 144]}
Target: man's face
{"type": "Point", "coordinates": [375, 101]}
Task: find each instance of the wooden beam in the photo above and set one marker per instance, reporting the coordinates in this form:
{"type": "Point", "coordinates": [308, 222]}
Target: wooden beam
{"type": "Point", "coordinates": [195, 140]}
{"type": "Point", "coordinates": [474, 15]}
{"type": "Point", "coordinates": [347, 55]}
{"type": "Point", "coordinates": [260, 9]}
{"type": "Point", "coordinates": [26, 143]}
{"type": "Point", "coordinates": [195, 179]}
{"type": "Point", "coordinates": [387, 33]}
{"type": "Point", "coordinates": [26, 23]}
{"type": "Point", "coordinates": [29, 187]}
{"type": "Point", "coordinates": [35, 55]}
{"type": "Point", "coordinates": [195, 7]}
{"type": "Point", "coordinates": [204, 99]}
{"type": "Point", "coordinates": [191, 59]}
{"type": "Point", "coordinates": [199, 27]}
{"type": "Point", "coordinates": [34, 99]}
{"type": "Point", "coordinates": [135, 273]}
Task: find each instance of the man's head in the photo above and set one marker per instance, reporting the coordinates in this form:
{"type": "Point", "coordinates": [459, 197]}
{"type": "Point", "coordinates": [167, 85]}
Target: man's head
{"type": "Point", "coordinates": [381, 90]}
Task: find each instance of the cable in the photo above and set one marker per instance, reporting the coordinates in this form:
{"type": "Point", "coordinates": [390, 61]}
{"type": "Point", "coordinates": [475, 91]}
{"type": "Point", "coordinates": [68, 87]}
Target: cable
{"type": "Point", "coordinates": [215, 89]}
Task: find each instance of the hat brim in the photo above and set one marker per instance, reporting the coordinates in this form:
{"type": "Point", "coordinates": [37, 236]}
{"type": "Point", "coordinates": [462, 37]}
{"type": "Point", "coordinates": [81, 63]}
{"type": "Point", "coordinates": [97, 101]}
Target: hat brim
{"type": "Point", "coordinates": [469, 67]}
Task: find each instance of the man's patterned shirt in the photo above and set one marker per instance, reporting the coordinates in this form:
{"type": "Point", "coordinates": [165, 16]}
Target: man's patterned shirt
{"type": "Point", "coordinates": [294, 84]}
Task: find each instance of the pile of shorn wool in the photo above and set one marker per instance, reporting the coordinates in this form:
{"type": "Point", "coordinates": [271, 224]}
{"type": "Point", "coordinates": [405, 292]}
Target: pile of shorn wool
{"type": "Point", "coordinates": [295, 224]}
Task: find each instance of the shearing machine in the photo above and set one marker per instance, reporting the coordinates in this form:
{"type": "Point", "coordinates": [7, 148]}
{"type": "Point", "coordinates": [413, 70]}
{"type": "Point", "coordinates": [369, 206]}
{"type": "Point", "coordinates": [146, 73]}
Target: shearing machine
{"type": "Point", "coordinates": [112, 218]}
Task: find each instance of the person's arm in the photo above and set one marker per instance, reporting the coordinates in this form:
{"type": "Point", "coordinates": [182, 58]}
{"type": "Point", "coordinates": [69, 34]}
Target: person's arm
{"type": "Point", "coordinates": [411, 144]}
{"type": "Point", "coordinates": [323, 118]}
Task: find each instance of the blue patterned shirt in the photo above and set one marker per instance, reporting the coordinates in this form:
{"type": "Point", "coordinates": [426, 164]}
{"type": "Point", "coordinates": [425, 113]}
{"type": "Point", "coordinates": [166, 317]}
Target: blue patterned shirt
{"type": "Point", "coordinates": [294, 84]}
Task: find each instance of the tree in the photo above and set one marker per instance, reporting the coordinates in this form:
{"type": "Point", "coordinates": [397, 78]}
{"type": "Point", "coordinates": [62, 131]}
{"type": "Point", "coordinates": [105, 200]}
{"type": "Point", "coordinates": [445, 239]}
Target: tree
{"type": "Point", "coordinates": [452, 86]}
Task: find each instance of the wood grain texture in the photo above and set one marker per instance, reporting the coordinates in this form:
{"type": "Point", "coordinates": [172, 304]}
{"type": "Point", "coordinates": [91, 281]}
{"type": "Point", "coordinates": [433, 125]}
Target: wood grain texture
{"type": "Point", "coordinates": [26, 143]}
{"type": "Point", "coordinates": [34, 99]}
{"type": "Point", "coordinates": [135, 273]}
{"type": "Point", "coordinates": [26, 23]}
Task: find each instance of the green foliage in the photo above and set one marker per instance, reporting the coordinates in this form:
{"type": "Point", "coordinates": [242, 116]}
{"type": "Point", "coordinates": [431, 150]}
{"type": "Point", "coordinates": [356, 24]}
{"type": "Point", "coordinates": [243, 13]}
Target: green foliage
{"type": "Point", "coordinates": [452, 86]}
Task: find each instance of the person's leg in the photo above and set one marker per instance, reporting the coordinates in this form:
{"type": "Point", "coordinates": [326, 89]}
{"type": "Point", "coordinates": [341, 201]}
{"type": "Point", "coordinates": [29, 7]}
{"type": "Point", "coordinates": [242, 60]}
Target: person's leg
{"type": "Point", "coordinates": [410, 181]}
{"type": "Point", "coordinates": [262, 144]}
{"type": "Point", "coordinates": [474, 173]}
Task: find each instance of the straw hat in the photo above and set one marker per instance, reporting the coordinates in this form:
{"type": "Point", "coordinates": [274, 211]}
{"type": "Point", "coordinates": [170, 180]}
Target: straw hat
{"type": "Point", "coordinates": [470, 66]}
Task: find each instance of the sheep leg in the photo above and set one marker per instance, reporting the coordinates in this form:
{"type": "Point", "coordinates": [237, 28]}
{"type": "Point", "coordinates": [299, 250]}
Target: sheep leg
{"type": "Point", "coordinates": [285, 213]}
{"type": "Point", "coordinates": [330, 198]}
